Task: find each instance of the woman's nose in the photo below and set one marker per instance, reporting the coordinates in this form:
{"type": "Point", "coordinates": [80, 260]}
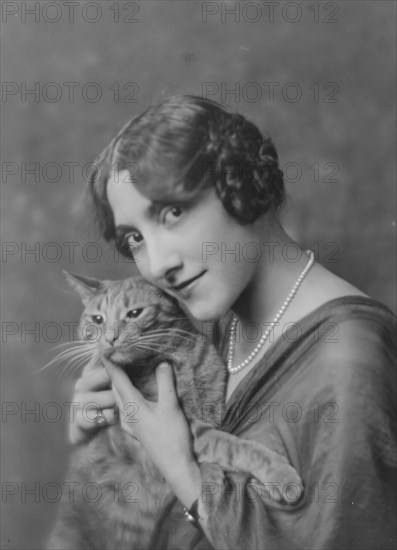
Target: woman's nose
{"type": "Point", "coordinates": [163, 259]}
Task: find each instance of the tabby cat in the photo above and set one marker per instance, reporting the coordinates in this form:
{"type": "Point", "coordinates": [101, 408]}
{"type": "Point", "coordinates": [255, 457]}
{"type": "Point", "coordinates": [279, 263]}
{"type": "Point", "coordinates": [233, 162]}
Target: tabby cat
{"type": "Point", "coordinates": [136, 326]}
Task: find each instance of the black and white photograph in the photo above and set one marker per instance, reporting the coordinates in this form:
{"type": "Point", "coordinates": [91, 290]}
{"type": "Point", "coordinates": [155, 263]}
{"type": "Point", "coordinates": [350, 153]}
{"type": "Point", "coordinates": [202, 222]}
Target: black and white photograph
{"type": "Point", "coordinates": [198, 275]}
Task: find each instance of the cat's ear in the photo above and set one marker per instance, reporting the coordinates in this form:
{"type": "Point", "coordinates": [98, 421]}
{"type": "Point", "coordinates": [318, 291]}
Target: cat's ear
{"type": "Point", "coordinates": [86, 287]}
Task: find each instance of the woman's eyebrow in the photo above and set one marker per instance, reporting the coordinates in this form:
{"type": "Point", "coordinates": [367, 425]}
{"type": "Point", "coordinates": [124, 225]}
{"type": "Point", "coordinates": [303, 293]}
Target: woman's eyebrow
{"type": "Point", "coordinates": [150, 212]}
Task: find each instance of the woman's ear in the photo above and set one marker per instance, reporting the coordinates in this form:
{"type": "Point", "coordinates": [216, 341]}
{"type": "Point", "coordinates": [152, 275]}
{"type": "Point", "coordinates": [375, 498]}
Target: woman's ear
{"type": "Point", "coordinates": [86, 287]}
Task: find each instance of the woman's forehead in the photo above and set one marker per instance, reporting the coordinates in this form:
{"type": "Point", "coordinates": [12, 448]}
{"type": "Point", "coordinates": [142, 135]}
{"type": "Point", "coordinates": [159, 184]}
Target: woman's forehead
{"type": "Point", "coordinates": [127, 198]}
{"type": "Point", "coordinates": [129, 204]}
{"type": "Point", "coordinates": [124, 198]}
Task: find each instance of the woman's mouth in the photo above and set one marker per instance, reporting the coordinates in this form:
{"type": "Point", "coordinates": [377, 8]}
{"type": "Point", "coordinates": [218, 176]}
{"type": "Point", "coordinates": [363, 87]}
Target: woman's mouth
{"type": "Point", "coordinates": [186, 286]}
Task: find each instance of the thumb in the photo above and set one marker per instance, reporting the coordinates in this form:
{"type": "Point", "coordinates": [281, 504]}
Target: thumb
{"type": "Point", "coordinates": [166, 385]}
{"type": "Point", "coordinates": [92, 363]}
{"type": "Point", "coordinates": [122, 385]}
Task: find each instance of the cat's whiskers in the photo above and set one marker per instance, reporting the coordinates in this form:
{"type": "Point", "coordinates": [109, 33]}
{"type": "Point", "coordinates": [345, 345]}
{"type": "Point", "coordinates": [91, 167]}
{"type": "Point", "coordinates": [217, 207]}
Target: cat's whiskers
{"type": "Point", "coordinates": [76, 345]}
{"type": "Point", "coordinates": [170, 332]}
{"type": "Point", "coordinates": [63, 344]}
{"type": "Point", "coordinates": [156, 347]}
{"type": "Point", "coordinates": [148, 346]}
{"type": "Point", "coordinates": [74, 352]}
{"type": "Point", "coordinates": [173, 329]}
{"type": "Point", "coordinates": [127, 342]}
{"type": "Point", "coordinates": [75, 364]}
{"type": "Point", "coordinates": [154, 343]}
{"type": "Point", "coordinates": [78, 354]}
{"type": "Point", "coordinates": [78, 365]}
{"type": "Point", "coordinates": [56, 360]}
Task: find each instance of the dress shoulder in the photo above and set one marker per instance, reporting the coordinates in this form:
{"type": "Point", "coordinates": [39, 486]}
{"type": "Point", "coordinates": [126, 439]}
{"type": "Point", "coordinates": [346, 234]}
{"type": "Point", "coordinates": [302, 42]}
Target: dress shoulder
{"type": "Point", "coordinates": [352, 337]}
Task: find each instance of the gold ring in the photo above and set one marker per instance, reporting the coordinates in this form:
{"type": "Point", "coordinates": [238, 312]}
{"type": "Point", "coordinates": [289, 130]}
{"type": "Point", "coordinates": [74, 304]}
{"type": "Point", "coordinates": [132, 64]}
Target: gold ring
{"type": "Point", "coordinates": [99, 418]}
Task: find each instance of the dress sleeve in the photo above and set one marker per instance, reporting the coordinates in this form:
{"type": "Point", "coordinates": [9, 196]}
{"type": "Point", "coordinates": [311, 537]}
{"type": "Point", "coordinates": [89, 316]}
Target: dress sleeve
{"type": "Point", "coordinates": [336, 420]}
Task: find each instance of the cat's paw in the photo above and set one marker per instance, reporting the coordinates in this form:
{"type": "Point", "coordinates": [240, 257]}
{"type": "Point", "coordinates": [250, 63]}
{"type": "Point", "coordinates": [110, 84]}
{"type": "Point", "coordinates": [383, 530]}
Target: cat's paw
{"type": "Point", "coordinates": [283, 484]}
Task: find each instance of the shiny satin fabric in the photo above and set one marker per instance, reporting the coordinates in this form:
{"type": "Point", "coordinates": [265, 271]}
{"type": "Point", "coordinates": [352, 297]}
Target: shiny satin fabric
{"type": "Point", "coordinates": [324, 396]}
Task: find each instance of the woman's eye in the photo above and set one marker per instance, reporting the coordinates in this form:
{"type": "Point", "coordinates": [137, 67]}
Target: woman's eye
{"type": "Point", "coordinates": [134, 313]}
{"type": "Point", "coordinates": [174, 212]}
{"type": "Point", "coordinates": [133, 239]}
{"type": "Point", "coordinates": [97, 319]}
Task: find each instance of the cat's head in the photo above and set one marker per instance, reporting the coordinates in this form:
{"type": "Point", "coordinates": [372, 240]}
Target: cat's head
{"type": "Point", "coordinates": [128, 320]}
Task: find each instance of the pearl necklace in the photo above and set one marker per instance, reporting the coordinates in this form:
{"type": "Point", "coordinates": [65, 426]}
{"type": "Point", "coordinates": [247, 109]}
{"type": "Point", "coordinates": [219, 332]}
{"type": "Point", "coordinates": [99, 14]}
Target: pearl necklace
{"type": "Point", "coordinates": [252, 355]}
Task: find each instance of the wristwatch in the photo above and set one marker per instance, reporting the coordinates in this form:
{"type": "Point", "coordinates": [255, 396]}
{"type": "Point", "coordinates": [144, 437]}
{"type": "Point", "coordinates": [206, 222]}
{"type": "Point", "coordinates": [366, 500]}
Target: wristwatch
{"type": "Point", "coordinates": [192, 514]}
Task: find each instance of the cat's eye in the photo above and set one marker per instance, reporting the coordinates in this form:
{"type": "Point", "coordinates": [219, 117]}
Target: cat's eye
{"type": "Point", "coordinates": [134, 313]}
{"type": "Point", "coordinates": [97, 319]}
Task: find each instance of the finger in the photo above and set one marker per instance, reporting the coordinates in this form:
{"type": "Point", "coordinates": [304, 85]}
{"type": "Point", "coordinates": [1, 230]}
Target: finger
{"type": "Point", "coordinates": [99, 400]}
{"type": "Point", "coordinates": [94, 380]}
{"type": "Point", "coordinates": [166, 385]}
{"type": "Point", "coordinates": [92, 364]}
{"type": "Point", "coordinates": [87, 418]}
{"type": "Point", "coordinates": [122, 385]}
{"type": "Point", "coordinates": [129, 417]}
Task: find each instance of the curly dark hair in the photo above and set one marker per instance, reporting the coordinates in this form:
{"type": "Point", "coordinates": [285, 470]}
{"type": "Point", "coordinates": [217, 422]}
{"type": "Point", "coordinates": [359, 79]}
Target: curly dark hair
{"type": "Point", "coordinates": [182, 145]}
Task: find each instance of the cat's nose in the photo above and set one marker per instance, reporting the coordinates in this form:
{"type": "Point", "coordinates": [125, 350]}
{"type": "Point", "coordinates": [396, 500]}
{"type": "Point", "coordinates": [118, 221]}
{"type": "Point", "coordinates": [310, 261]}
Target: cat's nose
{"type": "Point", "coordinates": [111, 337]}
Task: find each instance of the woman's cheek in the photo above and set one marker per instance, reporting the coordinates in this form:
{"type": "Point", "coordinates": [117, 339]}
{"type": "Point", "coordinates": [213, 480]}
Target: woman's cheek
{"type": "Point", "coordinates": [140, 260]}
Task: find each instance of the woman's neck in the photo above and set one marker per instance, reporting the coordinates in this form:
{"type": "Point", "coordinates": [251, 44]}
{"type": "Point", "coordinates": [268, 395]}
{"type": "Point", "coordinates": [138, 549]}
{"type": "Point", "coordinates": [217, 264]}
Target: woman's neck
{"type": "Point", "coordinates": [281, 263]}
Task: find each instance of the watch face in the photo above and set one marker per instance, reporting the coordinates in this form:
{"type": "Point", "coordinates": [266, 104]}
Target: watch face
{"type": "Point", "coordinates": [192, 514]}
{"type": "Point", "coordinates": [189, 517]}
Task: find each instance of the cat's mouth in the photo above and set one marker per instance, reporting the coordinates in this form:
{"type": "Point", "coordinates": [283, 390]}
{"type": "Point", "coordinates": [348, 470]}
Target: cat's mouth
{"type": "Point", "coordinates": [124, 355]}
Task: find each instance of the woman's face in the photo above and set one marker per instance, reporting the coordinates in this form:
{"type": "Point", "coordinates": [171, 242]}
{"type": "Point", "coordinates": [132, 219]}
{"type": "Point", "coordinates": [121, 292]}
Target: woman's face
{"type": "Point", "coordinates": [194, 251]}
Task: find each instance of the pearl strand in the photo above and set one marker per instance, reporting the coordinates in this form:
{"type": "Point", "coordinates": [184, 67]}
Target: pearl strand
{"type": "Point", "coordinates": [254, 353]}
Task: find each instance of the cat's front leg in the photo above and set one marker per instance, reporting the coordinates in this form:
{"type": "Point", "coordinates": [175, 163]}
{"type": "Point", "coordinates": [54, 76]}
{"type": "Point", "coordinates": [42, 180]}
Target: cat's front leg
{"type": "Point", "coordinates": [242, 455]}
{"type": "Point", "coordinates": [67, 534]}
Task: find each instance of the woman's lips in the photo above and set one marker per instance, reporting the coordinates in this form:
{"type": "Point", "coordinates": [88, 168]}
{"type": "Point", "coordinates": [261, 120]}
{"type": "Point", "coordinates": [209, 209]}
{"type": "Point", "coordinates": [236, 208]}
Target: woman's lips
{"type": "Point", "coordinates": [186, 285]}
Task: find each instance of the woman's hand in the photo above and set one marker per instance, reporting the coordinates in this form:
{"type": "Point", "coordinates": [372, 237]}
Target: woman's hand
{"type": "Point", "coordinates": [161, 428]}
{"type": "Point", "coordinates": [93, 396]}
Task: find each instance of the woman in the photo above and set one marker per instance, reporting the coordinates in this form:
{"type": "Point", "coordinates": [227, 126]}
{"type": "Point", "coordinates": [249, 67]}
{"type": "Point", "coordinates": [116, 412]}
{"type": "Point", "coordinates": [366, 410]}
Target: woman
{"type": "Point", "coordinates": [193, 193]}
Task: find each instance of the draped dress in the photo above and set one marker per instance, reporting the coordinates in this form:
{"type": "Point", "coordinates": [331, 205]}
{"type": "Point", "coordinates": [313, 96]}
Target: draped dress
{"type": "Point", "coordinates": [324, 396]}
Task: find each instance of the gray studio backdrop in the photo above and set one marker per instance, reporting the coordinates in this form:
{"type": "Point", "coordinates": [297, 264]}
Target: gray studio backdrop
{"type": "Point", "coordinates": [318, 76]}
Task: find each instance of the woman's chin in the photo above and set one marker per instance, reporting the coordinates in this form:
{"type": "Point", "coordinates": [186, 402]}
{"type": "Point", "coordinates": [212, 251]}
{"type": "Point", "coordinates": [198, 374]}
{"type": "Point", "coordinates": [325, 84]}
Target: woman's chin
{"type": "Point", "coordinates": [206, 314]}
